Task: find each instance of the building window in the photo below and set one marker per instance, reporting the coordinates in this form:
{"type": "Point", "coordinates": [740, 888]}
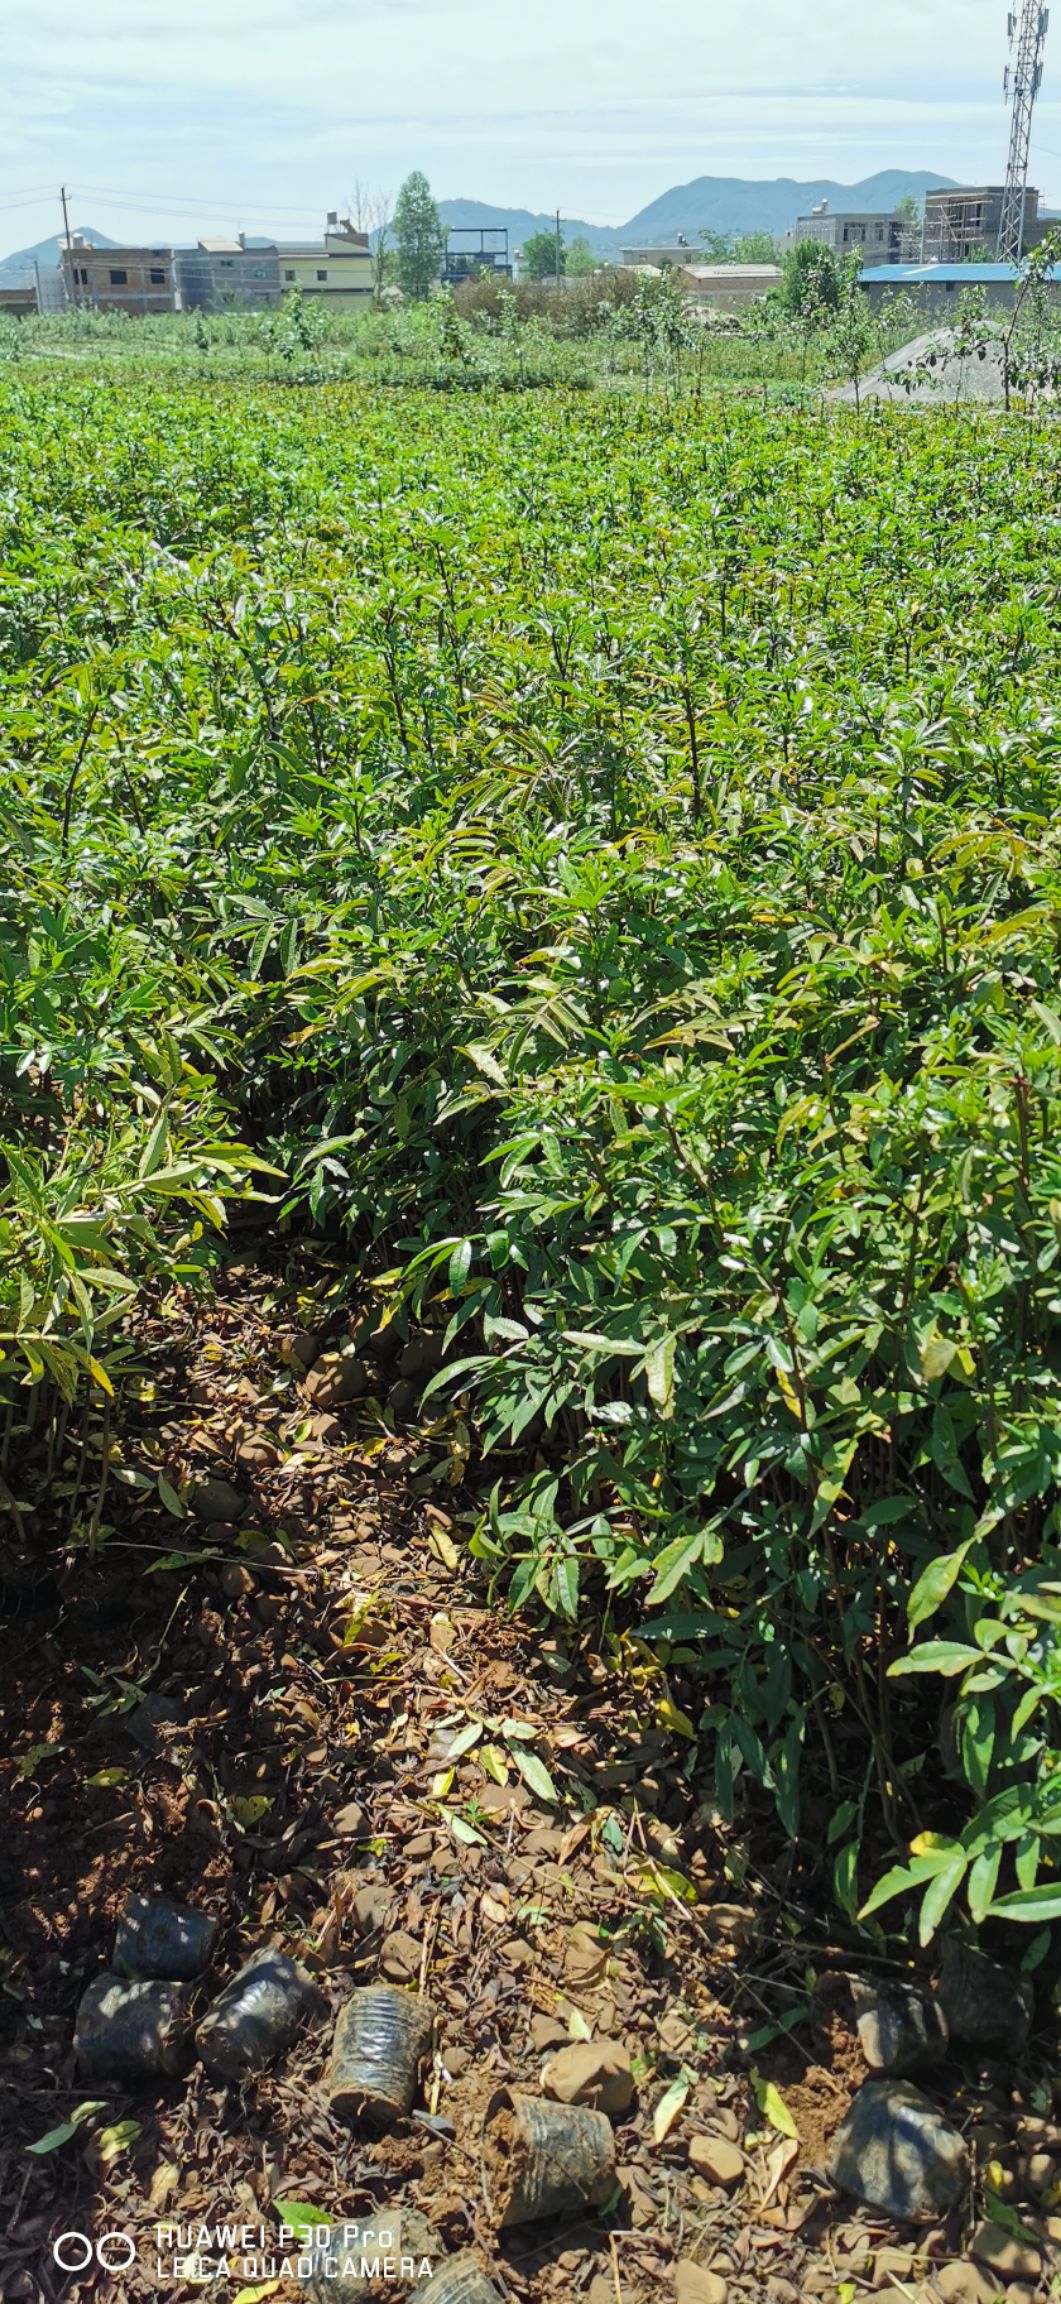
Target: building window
{"type": "Point", "coordinates": [258, 272]}
{"type": "Point", "coordinates": [289, 275]}
{"type": "Point", "coordinates": [157, 277]}
{"type": "Point", "coordinates": [322, 275]}
{"type": "Point", "coordinates": [83, 275]}
{"type": "Point", "coordinates": [119, 279]}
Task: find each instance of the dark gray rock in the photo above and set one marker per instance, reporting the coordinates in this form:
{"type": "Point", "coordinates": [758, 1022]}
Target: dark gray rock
{"type": "Point", "coordinates": [256, 2016]}
{"type": "Point", "coordinates": [155, 1711]}
{"type": "Point", "coordinates": [901, 2026]}
{"type": "Point", "coordinates": [898, 2023]}
{"type": "Point", "coordinates": [132, 2032]}
{"type": "Point", "coordinates": [158, 1938]}
{"type": "Point", "coordinates": [897, 2153]}
{"type": "Point", "coordinates": [461, 2281]}
{"type": "Point", "coordinates": [986, 2006]}
{"type": "Point", "coordinates": [218, 1502]}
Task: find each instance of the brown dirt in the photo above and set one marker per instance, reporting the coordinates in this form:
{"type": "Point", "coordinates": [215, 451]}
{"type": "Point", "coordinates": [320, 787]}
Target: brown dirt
{"type": "Point", "coordinates": [305, 1793]}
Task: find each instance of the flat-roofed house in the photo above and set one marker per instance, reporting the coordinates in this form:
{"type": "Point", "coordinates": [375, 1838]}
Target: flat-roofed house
{"type": "Point", "coordinates": [226, 275]}
{"type": "Point", "coordinates": [727, 287]}
{"type": "Point", "coordinates": [136, 280]}
{"type": "Point", "coordinates": [339, 269]}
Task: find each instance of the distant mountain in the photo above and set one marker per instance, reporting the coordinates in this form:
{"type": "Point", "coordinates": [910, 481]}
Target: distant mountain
{"type": "Point", "coordinates": [729, 204]}
{"type": "Point", "coordinates": [604, 239]}
{"type": "Point", "coordinates": [733, 204]}
{"type": "Point", "coordinates": [16, 270]}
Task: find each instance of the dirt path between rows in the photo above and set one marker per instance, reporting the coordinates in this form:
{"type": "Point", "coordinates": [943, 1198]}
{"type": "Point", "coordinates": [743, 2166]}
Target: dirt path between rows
{"type": "Point", "coordinates": [314, 1722]}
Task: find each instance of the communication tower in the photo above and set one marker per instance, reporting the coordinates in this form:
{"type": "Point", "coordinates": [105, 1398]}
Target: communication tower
{"type": "Point", "coordinates": [1027, 36]}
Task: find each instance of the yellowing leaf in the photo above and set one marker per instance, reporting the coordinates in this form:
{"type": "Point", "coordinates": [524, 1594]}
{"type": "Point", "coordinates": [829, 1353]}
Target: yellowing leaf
{"type": "Point", "coordinates": [493, 1763]}
{"type": "Point", "coordinates": [670, 2105]}
{"type": "Point", "coordinates": [443, 1548]}
{"type": "Point", "coordinates": [577, 2027]}
{"type": "Point", "coordinates": [670, 1715]}
{"type": "Point", "coordinates": [773, 2107]}
{"type": "Point", "coordinates": [257, 2295]}
{"type": "Point", "coordinates": [664, 1884]}
{"type": "Point", "coordinates": [111, 2141]}
{"type": "Point", "coordinates": [250, 1811]}
{"type": "Point", "coordinates": [442, 1784]}
{"type": "Point", "coordinates": [108, 1776]}
{"type": "Point", "coordinates": [789, 1394]}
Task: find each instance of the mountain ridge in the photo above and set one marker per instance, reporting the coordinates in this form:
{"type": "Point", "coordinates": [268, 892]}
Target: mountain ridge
{"type": "Point", "coordinates": [727, 204]}
{"type": "Point", "coordinates": [18, 269]}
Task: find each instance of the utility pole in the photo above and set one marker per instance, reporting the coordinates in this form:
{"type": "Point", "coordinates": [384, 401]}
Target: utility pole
{"type": "Point", "coordinates": [66, 236]}
{"type": "Point", "coordinates": [1030, 29]}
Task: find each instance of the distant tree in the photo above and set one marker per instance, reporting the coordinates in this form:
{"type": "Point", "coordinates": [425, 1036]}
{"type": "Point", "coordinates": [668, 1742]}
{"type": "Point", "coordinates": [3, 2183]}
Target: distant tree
{"type": "Point", "coordinates": [420, 237]}
{"type": "Point", "coordinates": [715, 247]}
{"type": "Point", "coordinates": [580, 258]}
{"type": "Point", "coordinates": [810, 280]}
{"type": "Point", "coordinates": [909, 208]}
{"type": "Point", "coordinates": [755, 248]}
{"type": "Point", "coordinates": [539, 256]}
{"type": "Point", "coordinates": [371, 212]}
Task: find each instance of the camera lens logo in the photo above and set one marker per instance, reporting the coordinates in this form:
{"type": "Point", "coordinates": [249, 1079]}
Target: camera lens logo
{"type": "Point", "coordinates": [112, 2252]}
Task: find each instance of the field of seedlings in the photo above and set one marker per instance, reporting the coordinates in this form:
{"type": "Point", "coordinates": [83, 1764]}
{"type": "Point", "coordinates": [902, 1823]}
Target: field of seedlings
{"type": "Point", "coordinates": [595, 864]}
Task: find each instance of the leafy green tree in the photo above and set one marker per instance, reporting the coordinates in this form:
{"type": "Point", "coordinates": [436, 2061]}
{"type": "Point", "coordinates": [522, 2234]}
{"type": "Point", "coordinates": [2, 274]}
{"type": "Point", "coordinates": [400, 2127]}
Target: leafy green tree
{"type": "Point", "coordinates": [420, 237]}
{"type": "Point", "coordinates": [755, 248]}
{"type": "Point", "coordinates": [909, 209]}
{"type": "Point", "coordinates": [715, 247]}
{"type": "Point", "coordinates": [810, 280]}
{"type": "Point", "coordinates": [580, 258]}
{"type": "Point", "coordinates": [540, 256]}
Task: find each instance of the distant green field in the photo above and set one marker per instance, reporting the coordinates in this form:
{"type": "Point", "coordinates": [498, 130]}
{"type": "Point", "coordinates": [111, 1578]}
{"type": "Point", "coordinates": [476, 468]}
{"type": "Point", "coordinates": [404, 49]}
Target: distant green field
{"type": "Point", "coordinates": [610, 865]}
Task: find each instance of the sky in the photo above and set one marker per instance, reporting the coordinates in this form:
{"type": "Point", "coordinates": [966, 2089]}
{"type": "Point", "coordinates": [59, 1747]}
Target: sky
{"type": "Point", "coordinates": [216, 115]}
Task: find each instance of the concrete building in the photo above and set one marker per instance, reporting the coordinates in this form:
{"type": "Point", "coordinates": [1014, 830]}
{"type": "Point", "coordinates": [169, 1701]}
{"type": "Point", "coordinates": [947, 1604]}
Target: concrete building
{"type": "Point", "coordinates": [220, 275]}
{"type": "Point", "coordinates": [878, 239]}
{"type": "Point", "coordinates": [660, 253]}
{"type": "Point", "coordinates": [19, 303]}
{"type": "Point", "coordinates": [936, 288]}
{"type": "Point", "coordinates": [964, 223]}
{"type": "Point", "coordinates": [476, 252]}
{"type": "Point", "coordinates": [727, 287]}
{"type": "Point", "coordinates": [339, 269]}
{"type": "Point", "coordinates": [136, 280]}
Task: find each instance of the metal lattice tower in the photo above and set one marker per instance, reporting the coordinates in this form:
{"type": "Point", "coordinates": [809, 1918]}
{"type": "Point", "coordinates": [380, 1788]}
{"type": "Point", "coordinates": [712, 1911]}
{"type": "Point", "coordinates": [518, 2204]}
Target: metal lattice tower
{"type": "Point", "coordinates": [1027, 31]}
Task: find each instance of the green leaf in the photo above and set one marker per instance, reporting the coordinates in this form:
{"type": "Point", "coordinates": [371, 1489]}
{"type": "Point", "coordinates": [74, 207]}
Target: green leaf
{"type": "Point", "coordinates": [773, 2107]}
{"type": "Point", "coordinates": [170, 1498]}
{"type": "Point", "coordinates": [944, 1656]}
{"type": "Point", "coordinates": [1031, 1906]}
{"type": "Point", "coordinates": [659, 1375]}
{"type": "Point", "coordinates": [670, 2105]}
{"type": "Point", "coordinates": [57, 2136]}
{"type": "Point", "coordinates": [301, 2216]}
{"type": "Point", "coordinates": [983, 1879]}
{"type": "Point", "coordinates": [933, 1585]}
{"type": "Point", "coordinates": [460, 1265]}
{"type": "Point", "coordinates": [900, 1881]}
{"type": "Point", "coordinates": [939, 1894]}
{"type": "Point", "coordinates": [535, 1775]}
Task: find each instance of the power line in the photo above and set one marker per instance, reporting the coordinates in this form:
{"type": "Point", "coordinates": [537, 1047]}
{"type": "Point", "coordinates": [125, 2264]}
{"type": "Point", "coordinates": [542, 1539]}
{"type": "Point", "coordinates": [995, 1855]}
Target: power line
{"type": "Point", "coordinates": [184, 202]}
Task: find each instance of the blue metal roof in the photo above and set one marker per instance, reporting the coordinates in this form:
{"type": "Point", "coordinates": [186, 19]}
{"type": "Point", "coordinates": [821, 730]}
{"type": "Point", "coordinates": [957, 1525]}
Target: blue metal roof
{"type": "Point", "coordinates": [952, 275]}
